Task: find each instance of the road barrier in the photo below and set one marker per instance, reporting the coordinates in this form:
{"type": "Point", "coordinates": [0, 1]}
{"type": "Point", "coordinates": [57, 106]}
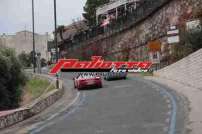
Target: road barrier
{"type": "Point", "coordinates": [186, 71]}
{"type": "Point", "coordinates": [11, 117]}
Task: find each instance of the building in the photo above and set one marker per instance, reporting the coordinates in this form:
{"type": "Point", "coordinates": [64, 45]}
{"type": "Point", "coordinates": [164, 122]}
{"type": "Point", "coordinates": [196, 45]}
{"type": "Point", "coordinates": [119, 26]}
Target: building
{"type": "Point", "coordinates": [68, 35]}
{"type": "Point", "coordinates": [69, 31]}
{"type": "Point", "coordinates": [115, 8]}
{"type": "Point", "coordinates": [23, 41]}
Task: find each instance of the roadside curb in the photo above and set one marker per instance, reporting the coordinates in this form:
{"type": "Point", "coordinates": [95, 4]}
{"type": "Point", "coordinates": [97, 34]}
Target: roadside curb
{"type": "Point", "coordinates": [193, 95]}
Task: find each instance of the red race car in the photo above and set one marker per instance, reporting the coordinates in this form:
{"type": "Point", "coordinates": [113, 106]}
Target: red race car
{"type": "Point", "coordinates": [87, 81]}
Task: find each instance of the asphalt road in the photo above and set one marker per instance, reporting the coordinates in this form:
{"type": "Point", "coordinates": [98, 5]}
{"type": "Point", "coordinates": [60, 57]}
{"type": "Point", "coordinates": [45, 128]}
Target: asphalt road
{"type": "Point", "coordinates": [132, 106]}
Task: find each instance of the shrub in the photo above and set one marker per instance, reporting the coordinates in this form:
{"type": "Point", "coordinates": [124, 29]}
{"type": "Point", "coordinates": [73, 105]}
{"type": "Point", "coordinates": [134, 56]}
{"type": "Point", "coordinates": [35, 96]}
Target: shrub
{"type": "Point", "coordinates": [25, 59]}
{"type": "Point", "coordinates": [194, 40]}
{"type": "Point", "coordinates": [11, 79]}
{"type": "Point", "coordinates": [191, 41]}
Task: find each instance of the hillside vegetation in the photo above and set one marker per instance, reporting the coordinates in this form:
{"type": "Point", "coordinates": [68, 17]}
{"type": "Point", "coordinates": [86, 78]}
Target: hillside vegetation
{"type": "Point", "coordinates": [11, 79]}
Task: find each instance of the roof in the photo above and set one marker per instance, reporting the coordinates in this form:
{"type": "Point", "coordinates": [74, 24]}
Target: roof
{"type": "Point", "coordinates": [71, 30]}
{"type": "Point", "coordinates": [26, 31]}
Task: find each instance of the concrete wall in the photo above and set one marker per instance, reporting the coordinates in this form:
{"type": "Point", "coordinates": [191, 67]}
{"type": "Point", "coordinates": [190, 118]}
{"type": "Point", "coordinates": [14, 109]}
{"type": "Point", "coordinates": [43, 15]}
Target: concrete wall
{"type": "Point", "coordinates": [176, 12]}
{"type": "Point", "coordinates": [187, 71]}
{"type": "Point", "coordinates": [22, 41]}
{"type": "Point", "coordinates": [8, 118]}
{"type": "Point", "coordinates": [14, 117]}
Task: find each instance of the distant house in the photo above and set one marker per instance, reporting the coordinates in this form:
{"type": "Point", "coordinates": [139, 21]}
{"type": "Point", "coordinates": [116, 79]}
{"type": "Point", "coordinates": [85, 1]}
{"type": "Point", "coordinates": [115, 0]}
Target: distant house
{"type": "Point", "coordinates": [67, 34]}
{"type": "Point", "coordinates": [69, 31]}
{"type": "Point", "coordinates": [23, 40]}
{"type": "Point", "coordinates": [114, 9]}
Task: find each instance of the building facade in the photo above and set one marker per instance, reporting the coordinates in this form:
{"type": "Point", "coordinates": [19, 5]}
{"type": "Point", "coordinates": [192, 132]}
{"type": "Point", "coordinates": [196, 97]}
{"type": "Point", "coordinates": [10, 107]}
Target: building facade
{"type": "Point", "coordinates": [115, 8]}
{"type": "Point", "coordinates": [23, 41]}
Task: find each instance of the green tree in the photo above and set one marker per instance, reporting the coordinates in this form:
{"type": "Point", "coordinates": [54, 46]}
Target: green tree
{"type": "Point", "coordinates": [190, 42]}
{"type": "Point", "coordinates": [25, 59]}
{"type": "Point", "coordinates": [11, 79]}
{"type": "Point", "coordinates": [43, 62]}
{"type": "Point", "coordinates": [90, 10]}
{"type": "Point", "coordinates": [193, 40]}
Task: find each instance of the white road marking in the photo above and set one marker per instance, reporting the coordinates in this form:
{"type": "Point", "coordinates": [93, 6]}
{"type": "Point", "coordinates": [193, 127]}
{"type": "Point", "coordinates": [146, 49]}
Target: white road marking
{"type": "Point", "coordinates": [123, 86]}
{"type": "Point", "coordinates": [39, 127]}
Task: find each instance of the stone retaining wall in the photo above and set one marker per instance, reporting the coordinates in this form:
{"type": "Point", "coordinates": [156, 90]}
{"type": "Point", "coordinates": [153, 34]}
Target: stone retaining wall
{"type": "Point", "coordinates": [187, 71]}
{"type": "Point", "coordinates": [8, 118]}
{"type": "Point", "coordinates": [132, 43]}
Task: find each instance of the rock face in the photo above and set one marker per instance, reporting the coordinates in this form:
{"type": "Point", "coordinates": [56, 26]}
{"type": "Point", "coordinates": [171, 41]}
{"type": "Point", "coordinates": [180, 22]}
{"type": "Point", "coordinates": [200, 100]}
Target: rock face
{"type": "Point", "coordinates": [186, 71]}
{"type": "Point", "coordinates": [132, 43]}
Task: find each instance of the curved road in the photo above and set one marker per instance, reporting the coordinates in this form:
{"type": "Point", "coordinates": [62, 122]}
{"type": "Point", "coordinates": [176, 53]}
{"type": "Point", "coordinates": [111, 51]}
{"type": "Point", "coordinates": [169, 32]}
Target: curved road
{"type": "Point", "coordinates": [132, 106]}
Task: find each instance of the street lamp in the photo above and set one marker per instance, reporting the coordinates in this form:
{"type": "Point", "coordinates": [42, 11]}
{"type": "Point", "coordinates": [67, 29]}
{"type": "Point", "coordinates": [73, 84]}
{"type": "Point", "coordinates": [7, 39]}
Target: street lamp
{"type": "Point", "coordinates": [33, 54]}
{"type": "Point", "coordinates": [56, 41]}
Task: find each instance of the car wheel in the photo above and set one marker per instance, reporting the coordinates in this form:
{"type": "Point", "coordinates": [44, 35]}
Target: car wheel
{"type": "Point", "coordinates": [78, 87]}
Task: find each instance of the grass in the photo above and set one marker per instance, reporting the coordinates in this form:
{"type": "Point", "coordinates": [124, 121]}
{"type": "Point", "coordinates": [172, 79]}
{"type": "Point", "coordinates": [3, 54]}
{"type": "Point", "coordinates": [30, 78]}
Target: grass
{"type": "Point", "coordinates": [146, 74]}
{"type": "Point", "coordinates": [37, 86]}
{"type": "Point", "coordinates": [51, 66]}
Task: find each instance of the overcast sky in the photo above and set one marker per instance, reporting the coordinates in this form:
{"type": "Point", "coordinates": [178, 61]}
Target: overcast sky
{"type": "Point", "coordinates": [15, 15]}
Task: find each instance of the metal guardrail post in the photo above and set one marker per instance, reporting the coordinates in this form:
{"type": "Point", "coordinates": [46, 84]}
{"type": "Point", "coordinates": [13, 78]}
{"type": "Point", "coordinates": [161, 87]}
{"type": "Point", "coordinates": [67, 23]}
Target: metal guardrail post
{"type": "Point", "coordinates": [57, 81]}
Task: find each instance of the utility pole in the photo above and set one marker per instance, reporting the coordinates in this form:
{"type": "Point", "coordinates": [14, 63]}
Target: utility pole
{"type": "Point", "coordinates": [33, 32]}
{"type": "Point", "coordinates": [56, 41]}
